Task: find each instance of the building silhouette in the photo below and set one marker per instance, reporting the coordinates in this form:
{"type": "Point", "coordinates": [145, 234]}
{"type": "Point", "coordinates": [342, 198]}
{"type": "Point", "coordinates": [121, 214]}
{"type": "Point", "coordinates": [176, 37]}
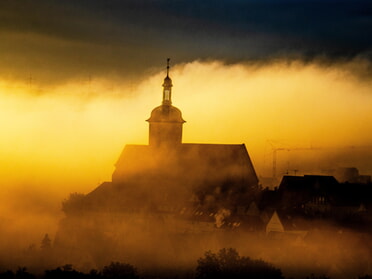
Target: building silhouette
{"type": "Point", "coordinates": [211, 183]}
{"type": "Point", "coordinates": [169, 176]}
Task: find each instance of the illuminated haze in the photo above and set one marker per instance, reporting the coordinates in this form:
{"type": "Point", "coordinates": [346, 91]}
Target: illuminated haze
{"type": "Point", "coordinates": [67, 138]}
{"type": "Point", "coordinates": [79, 79]}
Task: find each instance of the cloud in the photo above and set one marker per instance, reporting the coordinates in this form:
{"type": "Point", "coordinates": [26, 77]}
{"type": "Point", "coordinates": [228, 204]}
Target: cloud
{"type": "Point", "coordinates": [56, 41]}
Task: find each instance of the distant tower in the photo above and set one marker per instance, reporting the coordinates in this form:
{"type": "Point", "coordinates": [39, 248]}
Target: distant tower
{"type": "Point", "coordinates": [166, 120]}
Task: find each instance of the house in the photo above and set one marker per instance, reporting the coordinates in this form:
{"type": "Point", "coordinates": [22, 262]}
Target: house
{"type": "Point", "coordinates": [282, 226]}
{"type": "Point", "coordinates": [316, 196]}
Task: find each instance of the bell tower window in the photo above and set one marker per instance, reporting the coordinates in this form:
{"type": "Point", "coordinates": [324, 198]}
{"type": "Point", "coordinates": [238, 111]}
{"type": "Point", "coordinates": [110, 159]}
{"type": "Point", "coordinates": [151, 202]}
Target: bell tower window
{"type": "Point", "coordinates": [166, 95]}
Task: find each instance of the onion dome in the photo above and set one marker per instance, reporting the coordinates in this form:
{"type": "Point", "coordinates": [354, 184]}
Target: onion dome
{"type": "Point", "coordinates": [166, 113]}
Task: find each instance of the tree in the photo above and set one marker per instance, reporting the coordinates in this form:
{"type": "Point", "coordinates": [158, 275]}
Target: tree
{"type": "Point", "coordinates": [22, 273]}
{"type": "Point", "coordinates": [7, 275]}
{"type": "Point", "coordinates": [64, 272]}
{"type": "Point", "coordinates": [46, 242]}
{"type": "Point", "coordinates": [118, 270]}
{"type": "Point", "coordinates": [313, 276]}
{"type": "Point", "coordinates": [228, 264]}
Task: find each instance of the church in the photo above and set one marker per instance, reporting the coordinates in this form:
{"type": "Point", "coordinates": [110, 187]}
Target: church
{"type": "Point", "coordinates": [169, 176]}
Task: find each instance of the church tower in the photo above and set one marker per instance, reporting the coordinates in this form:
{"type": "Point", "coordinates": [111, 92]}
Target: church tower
{"type": "Point", "coordinates": [165, 122]}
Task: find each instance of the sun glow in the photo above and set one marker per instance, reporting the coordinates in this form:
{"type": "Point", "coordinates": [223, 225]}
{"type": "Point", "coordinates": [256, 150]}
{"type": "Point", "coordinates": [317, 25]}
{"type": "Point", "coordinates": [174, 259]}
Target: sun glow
{"type": "Point", "coordinates": [67, 138]}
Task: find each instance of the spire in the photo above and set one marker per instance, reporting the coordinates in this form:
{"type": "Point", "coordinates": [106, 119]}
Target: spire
{"type": "Point", "coordinates": [168, 67]}
{"type": "Point", "coordinates": [167, 87]}
{"type": "Point", "coordinates": [165, 122]}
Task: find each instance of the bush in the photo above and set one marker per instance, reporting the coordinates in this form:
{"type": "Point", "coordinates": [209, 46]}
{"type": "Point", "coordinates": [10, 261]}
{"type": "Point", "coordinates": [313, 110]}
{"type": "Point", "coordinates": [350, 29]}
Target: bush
{"type": "Point", "coordinates": [228, 264]}
{"type": "Point", "coordinates": [118, 270]}
{"type": "Point", "coordinates": [22, 273]}
{"type": "Point", "coordinates": [66, 272]}
{"type": "Point", "coordinates": [7, 275]}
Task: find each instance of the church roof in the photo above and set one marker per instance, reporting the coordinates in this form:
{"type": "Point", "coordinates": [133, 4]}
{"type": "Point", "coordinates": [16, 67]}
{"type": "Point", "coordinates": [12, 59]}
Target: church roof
{"type": "Point", "coordinates": [216, 174]}
{"type": "Point", "coordinates": [200, 161]}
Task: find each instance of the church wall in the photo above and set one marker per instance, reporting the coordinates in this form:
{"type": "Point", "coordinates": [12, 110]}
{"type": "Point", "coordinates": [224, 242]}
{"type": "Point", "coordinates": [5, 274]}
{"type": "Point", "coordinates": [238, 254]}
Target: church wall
{"type": "Point", "coordinates": [165, 133]}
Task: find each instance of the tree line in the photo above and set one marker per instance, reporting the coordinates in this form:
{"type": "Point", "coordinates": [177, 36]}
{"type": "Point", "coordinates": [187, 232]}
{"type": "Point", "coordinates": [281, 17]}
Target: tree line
{"type": "Point", "coordinates": [226, 263]}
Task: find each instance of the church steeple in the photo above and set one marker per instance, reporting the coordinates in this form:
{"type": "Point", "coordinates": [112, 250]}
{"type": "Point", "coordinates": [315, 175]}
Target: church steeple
{"type": "Point", "coordinates": [165, 129]}
{"type": "Point", "coordinates": [167, 88]}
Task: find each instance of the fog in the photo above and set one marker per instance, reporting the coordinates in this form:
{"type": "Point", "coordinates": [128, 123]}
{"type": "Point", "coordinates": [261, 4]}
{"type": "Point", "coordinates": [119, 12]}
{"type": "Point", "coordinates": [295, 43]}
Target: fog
{"type": "Point", "coordinates": [152, 244]}
{"type": "Point", "coordinates": [56, 140]}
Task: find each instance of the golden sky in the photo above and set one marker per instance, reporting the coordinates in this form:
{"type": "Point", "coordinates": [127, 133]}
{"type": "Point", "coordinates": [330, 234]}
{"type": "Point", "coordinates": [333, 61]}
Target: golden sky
{"type": "Point", "coordinates": [66, 138]}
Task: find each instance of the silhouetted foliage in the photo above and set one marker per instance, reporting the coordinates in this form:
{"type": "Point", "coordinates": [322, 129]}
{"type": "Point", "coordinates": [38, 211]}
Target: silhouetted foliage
{"type": "Point", "coordinates": [94, 274]}
{"type": "Point", "coordinates": [73, 203]}
{"type": "Point", "coordinates": [22, 273]}
{"type": "Point", "coordinates": [228, 264]}
{"type": "Point", "coordinates": [7, 275]}
{"type": "Point", "coordinates": [118, 270]}
{"type": "Point", "coordinates": [46, 243]}
{"type": "Point", "coordinates": [115, 270]}
{"type": "Point", "coordinates": [313, 276]}
{"type": "Point", "coordinates": [63, 273]}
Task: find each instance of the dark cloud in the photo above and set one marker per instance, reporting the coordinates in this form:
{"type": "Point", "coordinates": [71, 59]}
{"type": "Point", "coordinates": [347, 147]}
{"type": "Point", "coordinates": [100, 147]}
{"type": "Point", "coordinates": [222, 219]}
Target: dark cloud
{"type": "Point", "coordinates": [65, 39]}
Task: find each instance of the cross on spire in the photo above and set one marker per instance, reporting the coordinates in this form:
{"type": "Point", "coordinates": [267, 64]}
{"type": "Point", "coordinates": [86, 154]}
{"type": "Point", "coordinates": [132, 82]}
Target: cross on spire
{"type": "Point", "coordinates": [168, 66]}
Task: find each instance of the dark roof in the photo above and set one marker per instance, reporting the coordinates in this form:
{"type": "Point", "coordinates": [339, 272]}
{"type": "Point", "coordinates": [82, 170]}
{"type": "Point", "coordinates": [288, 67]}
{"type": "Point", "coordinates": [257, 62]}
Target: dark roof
{"type": "Point", "coordinates": [301, 189]}
{"type": "Point", "coordinates": [290, 222]}
{"type": "Point", "coordinates": [353, 194]}
{"type": "Point", "coordinates": [205, 162]}
{"type": "Point", "coordinates": [310, 183]}
{"type": "Point", "coordinates": [269, 198]}
{"type": "Point", "coordinates": [295, 191]}
{"type": "Point", "coordinates": [221, 174]}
